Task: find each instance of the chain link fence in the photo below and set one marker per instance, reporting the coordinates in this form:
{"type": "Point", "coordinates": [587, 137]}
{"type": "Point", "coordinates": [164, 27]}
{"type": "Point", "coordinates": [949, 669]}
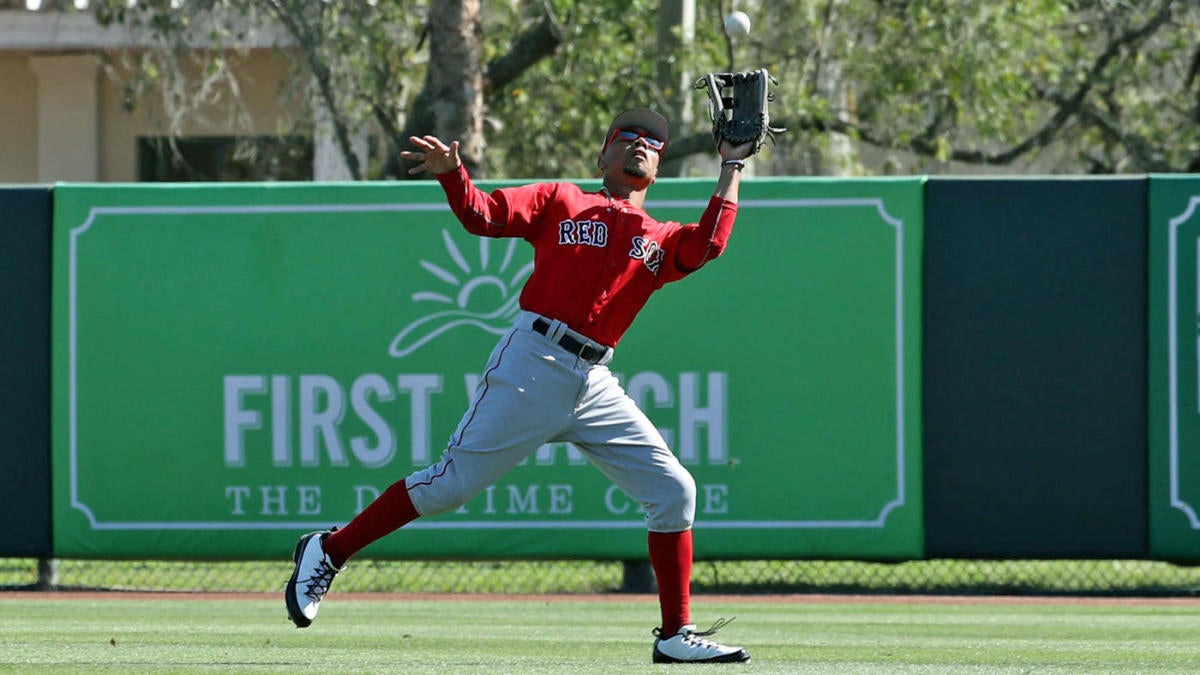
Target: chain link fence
{"type": "Point", "coordinates": [992, 577]}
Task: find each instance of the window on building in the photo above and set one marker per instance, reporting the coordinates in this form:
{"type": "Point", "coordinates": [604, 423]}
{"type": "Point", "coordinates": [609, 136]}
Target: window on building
{"type": "Point", "coordinates": [224, 159]}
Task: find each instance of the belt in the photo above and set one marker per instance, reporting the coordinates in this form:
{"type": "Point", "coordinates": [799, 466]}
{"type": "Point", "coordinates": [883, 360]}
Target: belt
{"type": "Point", "coordinates": [583, 350]}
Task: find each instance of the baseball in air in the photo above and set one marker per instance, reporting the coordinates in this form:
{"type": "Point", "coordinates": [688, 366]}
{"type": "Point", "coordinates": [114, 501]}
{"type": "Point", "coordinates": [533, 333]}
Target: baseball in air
{"type": "Point", "coordinates": [737, 23]}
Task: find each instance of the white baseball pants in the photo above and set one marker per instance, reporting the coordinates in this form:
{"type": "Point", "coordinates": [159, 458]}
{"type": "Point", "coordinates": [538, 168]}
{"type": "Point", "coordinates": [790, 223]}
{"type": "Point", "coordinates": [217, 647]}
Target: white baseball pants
{"type": "Point", "coordinates": [534, 392]}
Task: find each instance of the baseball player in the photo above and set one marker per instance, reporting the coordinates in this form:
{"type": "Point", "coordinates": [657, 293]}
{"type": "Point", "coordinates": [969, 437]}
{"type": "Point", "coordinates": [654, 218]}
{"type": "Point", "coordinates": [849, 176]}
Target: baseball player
{"type": "Point", "coordinates": [597, 258]}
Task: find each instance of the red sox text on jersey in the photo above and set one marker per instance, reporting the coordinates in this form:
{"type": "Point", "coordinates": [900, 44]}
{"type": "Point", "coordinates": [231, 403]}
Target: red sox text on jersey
{"type": "Point", "coordinates": [595, 233]}
{"type": "Point", "coordinates": [597, 258]}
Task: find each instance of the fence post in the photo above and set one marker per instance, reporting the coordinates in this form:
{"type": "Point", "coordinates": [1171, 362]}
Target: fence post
{"type": "Point", "coordinates": [638, 577]}
{"type": "Point", "coordinates": [47, 574]}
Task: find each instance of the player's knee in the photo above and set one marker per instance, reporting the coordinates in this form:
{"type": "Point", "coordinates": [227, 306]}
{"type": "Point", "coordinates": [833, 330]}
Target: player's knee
{"type": "Point", "coordinates": [438, 489]}
{"type": "Point", "coordinates": [432, 505]}
{"type": "Point", "coordinates": [676, 509]}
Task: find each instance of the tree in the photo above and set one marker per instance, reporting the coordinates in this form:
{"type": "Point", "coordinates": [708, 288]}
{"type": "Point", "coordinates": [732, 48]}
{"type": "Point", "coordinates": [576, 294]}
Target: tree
{"type": "Point", "coordinates": [361, 62]}
{"type": "Point", "coordinates": [1104, 86]}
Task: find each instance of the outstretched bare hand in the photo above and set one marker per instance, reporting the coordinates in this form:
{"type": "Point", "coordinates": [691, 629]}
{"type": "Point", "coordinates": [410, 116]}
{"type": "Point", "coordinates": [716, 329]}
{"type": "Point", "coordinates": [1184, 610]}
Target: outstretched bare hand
{"type": "Point", "coordinates": [434, 155]}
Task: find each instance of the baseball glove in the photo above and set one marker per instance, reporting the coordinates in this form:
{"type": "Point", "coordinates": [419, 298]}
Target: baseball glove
{"type": "Point", "coordinates": [737, 104]}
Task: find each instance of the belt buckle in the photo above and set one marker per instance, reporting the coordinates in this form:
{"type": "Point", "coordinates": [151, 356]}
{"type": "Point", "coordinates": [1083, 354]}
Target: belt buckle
{"type": "Point", "coordinates": [574, 347]}
{"type": "Point", "coordinates": [587, 352]}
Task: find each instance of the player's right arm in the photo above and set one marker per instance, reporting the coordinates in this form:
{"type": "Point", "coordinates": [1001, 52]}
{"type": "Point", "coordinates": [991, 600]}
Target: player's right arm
{"type": "Point", "coordinates": [434, 155]}
{"type": "Point", "coordinates": [479, 212]}
{"type": "Point", "coordinates": [507, 212]}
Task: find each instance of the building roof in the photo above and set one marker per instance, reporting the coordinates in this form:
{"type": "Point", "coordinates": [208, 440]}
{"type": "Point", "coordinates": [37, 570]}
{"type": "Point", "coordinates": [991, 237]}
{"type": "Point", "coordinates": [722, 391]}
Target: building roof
{"type": "Point", "coordinates": [54, 31]}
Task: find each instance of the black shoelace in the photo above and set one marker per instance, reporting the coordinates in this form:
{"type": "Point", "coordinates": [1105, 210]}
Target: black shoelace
{"type": "Point", "coordinates": [693, 636]}
{"type": "Point", "coordinates": [318, 584]}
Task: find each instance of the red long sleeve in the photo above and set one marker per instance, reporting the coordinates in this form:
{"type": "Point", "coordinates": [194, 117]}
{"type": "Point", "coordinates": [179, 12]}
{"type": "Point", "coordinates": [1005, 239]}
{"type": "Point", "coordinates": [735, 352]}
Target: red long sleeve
{"type": "Point", "coordinates": [706, 239]}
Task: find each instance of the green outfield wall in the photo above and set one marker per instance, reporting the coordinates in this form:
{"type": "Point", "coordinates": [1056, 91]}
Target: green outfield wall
{"type": "Point", "coordinates": [881, 369]}
{"type": "Point", "coordinates": [1174, 366]}
{"type": "Point", "coordinates": [237, 364]}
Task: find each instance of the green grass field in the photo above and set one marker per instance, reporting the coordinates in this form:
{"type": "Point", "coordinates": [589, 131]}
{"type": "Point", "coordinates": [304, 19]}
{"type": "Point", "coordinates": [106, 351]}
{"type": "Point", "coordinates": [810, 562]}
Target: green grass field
{"type": "Point", "coordinates": [135, 634]}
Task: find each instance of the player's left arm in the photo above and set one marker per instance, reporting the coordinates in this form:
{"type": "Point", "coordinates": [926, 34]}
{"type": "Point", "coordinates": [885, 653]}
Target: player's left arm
{"type": "Point", "coordinates": [733, 160]}
{"type": "Point", "coordinates": [706, 239]}
{"type": "Point", "coordinates": [703, 241]}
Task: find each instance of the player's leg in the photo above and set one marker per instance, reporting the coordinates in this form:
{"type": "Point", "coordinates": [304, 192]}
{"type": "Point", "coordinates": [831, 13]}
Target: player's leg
{"type": "Point", "coordinates": [446, 485]}
{"type": "Point", "coordinates": [516, 406]}
{"type": "Point", "coordinates": [651, 476]}
{"type": "Point", "coordinates": [626, 446]}
{"type": "Point", "coordinates": [521, 402]}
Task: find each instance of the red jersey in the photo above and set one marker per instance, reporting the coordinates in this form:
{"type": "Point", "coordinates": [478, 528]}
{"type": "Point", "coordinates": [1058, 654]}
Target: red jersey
{"type": "Point", "coordinates": [596, 258]}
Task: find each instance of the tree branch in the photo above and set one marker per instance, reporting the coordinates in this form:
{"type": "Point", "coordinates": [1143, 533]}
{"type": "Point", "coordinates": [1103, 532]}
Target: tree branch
{"type": "Point", "coordinates": [531, 46]}
{"type": "Point", "coordinates": [1068, 107]}
{"type": "Point", "coordinates": [1190, 81]}
{"type": "Point", "coordinates": [1072, 105]}
{"type": "Point", "coordinates": [300, 30]}
{"type": "Point", "coordinates": [1147, 158]}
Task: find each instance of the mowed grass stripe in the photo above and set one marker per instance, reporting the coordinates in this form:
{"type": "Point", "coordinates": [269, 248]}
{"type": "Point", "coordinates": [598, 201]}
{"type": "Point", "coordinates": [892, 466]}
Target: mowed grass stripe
{"type": "Point", "coordinates": [173, 634]}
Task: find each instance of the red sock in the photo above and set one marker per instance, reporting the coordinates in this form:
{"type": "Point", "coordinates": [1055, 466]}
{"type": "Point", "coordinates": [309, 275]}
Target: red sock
{"type": "Point", "coordinates": [391, 511]}
{"type": "Point", "coordinates": [671, 558]}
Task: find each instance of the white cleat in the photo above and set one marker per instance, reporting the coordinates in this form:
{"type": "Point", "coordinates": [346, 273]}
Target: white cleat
{"type": "Point", "coordinates": [689, 646]}
{"type": "Point", "coordinates": [310, 580]}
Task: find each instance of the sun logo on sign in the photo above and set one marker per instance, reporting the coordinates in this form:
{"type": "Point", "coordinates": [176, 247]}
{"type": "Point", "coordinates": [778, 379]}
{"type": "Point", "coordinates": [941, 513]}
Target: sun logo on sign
{"type": "Point", "coordinates": [474, 296]}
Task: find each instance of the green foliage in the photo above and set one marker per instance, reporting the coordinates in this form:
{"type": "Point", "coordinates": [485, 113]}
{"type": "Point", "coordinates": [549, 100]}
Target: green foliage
{"type": "Point", "coordinates": [1073, 85]}
{"type": "Point", "coordinates": [942, 70]}
{"type": "Point", "coordinates": [552, 120]}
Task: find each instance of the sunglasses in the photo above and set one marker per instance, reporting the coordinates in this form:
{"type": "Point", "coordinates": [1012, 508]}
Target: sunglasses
{"type": "Point", "coordinates": [631, 135]}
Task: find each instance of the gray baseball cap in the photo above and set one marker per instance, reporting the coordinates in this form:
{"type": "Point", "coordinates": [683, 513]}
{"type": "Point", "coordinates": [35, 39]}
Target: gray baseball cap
{"type": "Point", "coordinates": [645, 118]}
